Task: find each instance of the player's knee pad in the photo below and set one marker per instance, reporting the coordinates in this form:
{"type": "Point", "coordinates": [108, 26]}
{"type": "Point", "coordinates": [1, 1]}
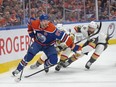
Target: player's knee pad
{"type": "Point", "coordinates": [53, 59]}
{"type": "Point", "coordinates": [35, 48]}
{"type": "Point", "coordinates": [87, 49]}
{"type": "Point", "coordinates": [99, 49]}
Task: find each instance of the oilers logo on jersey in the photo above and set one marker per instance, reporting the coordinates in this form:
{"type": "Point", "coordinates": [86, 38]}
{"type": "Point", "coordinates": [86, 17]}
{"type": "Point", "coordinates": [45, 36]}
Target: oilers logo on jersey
{"type": "Point", "coordinates": [41, 37]}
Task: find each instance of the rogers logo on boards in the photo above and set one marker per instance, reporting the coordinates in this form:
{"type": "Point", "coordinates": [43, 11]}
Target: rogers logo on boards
{"type": "Point", "coordinates": [15, 44]}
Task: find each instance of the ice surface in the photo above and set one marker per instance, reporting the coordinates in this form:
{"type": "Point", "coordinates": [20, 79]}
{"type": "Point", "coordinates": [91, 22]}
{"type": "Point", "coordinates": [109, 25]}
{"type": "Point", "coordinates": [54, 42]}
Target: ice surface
{"type": "Point", "coordinates": [101, 74]}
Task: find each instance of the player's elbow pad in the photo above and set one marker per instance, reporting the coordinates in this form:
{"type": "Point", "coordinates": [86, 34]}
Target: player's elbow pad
{"type": "Point", "coordinates": [76, 48]}
{"type": "Point", "coordinates": [32, 35]}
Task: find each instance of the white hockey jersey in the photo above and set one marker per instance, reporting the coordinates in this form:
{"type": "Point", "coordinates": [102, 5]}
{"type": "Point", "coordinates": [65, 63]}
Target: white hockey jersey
{"type": "Point", "coordinates": [100, 35]}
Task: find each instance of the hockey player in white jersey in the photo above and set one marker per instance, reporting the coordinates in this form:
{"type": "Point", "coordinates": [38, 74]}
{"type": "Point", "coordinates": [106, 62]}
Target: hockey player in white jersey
{"type": "Point", "coordinates": [99, 42]}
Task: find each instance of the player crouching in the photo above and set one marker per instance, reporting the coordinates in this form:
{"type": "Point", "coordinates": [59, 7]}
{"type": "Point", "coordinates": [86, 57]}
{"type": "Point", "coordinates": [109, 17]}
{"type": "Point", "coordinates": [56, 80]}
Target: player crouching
{"type": "Point", "coordinates": [45, 35]}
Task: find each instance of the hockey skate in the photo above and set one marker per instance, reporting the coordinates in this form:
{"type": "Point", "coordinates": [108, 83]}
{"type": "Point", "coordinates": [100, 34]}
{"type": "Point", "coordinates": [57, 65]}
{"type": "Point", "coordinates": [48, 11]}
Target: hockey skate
{"type": "Point", "coordinates": [15, 73]}
{"type": "Point", "coordinates": [36, 65]}
{"type": "Point", "coordinates": [59, 66]}
{"type": "Point", "coordinates": [88, 64]}
{"type": "Point", "coordinates": [67, 63]}
{"type": "Point", "coordinates": [46, 68]}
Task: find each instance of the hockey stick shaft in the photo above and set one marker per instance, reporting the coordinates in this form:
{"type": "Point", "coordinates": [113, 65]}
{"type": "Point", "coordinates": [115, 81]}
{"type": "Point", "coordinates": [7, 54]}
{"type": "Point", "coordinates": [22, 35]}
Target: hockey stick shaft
{"type": "Point", "coordinates": [38, 72]}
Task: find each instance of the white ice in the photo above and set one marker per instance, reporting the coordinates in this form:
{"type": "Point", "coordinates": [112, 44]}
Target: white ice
{"type": "Point", "coordinates": [101, 74]}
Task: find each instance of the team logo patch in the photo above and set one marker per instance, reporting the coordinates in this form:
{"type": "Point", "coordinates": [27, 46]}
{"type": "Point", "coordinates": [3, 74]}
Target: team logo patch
{"type": "Point", "coordinates": [45, 33]}
{"type": "Point", "coordinates": [111, 30]}
{"type": "Point", "coordinates": [41, 37]}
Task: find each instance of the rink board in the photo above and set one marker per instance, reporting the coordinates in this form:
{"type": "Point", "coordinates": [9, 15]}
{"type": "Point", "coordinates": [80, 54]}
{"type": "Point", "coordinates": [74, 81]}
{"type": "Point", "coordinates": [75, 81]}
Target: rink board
{"type": "Point", "coordinates": [112, 41]}
{"type": "Point", "coordinates": [5, 67]}
{"type": "Point", "coordinates": [14, 45]}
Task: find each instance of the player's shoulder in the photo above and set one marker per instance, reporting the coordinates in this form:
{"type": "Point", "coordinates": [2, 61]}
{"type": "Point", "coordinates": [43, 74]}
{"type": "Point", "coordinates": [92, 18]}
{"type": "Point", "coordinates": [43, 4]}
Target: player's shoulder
{"type": "Point", "coordinates": [51, 28]}
{"type": "Point", "coordinates": [84, 27]}
{"type": "Point", "coordinates": [35, 23]}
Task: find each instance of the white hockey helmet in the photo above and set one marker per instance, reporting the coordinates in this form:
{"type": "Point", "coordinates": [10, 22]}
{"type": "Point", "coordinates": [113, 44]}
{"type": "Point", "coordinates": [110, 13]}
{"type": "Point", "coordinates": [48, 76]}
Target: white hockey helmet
{"type": "Point", "coordinates": [93, 24]}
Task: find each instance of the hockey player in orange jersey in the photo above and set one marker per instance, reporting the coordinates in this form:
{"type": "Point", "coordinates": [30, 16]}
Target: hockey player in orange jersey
{"type": "Point", "coordinates": [45, 35]}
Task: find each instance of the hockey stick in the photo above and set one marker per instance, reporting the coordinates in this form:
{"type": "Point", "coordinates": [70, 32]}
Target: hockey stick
{"type": "Point", "coordinates": [57, 63]}
{"type": "Point", "coordinates": [38, 72]}
{"type": "Point", "coordinates": [20, 77]}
